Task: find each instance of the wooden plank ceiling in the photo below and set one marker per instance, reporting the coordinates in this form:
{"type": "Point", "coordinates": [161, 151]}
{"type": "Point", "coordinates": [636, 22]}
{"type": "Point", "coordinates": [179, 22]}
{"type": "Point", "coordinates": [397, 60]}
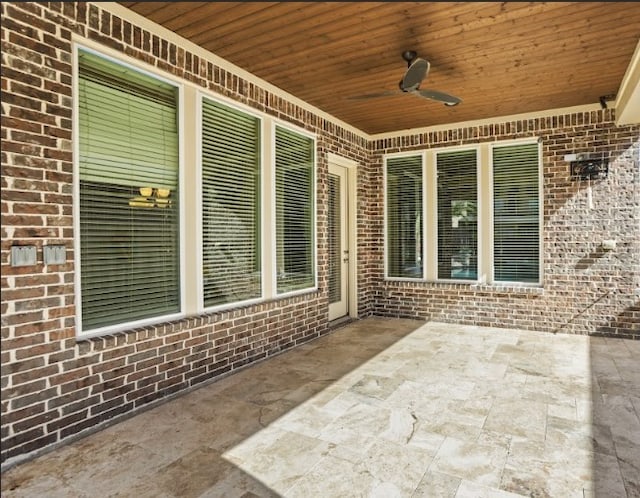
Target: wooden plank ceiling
{"type": "Point", "coordinates": [499, 58]}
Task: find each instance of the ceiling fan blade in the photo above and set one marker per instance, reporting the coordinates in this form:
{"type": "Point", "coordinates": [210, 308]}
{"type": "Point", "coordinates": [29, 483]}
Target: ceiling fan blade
{"type": "Point", "coordinates": [374, 95]}
{"type": "Point", "coordinates": [445, 98]}
{"type": "Point", "coordinates": [414, 75]}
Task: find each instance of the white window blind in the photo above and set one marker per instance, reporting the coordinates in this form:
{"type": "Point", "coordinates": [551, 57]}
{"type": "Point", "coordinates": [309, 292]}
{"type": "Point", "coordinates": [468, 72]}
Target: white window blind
{"type": "Point", "coordinates": [457, 215]}
{"type": "Point", "coordinates": [295, 227]}
{"type": "Point", "coordinates": [230, 205]}
{"type": "Point", "coordinates": [516, 226]}
{"type": "Point", "coordinates": [128, 165]}
{"type": "Point", "coordinates": [404, 218]}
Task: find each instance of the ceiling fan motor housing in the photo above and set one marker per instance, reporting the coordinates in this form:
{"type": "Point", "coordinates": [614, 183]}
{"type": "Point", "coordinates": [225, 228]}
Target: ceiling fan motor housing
{"type": "Point", "coordinates": [409, 55]}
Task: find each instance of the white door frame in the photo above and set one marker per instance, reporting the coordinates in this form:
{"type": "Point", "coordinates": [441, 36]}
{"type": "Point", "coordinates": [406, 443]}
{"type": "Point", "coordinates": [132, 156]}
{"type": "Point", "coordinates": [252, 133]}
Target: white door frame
{"type": "Point", "coordinates": [351, 168]}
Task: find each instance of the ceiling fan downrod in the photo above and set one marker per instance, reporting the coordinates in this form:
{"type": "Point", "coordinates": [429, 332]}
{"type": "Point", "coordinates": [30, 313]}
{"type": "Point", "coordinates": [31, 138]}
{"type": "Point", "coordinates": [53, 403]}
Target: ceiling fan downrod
{"type": "Point", "coordinates": [409, 56]}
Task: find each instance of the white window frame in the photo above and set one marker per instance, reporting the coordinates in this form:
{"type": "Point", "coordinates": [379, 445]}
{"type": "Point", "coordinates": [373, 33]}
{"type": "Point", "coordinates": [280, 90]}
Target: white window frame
{"type": "Point", "coordinates": [491, 262]}
{"type": "Point", "coordinates": [189, 115]}
{"type": "Point", "coordinates": [426, 224]}
{"type": "Point", "coordinates": [433, 179]}
{"type": "Point", "coordinates": [264, 232]}
{"type": "Point", "coordinates": [268, 204]}
{"type": "Point", "coordinates": [274, 122]}
{"type": "Point", "coordinates": [485, 233]}
{"type": "Point", "coordinates": [122, 60]}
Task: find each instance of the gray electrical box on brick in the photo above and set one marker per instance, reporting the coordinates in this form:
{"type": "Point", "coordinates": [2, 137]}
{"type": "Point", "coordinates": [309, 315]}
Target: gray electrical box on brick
{"type": "Point", "coordinates": [54, 255]}
{"type": "Point", "coordinates": [23, 255]}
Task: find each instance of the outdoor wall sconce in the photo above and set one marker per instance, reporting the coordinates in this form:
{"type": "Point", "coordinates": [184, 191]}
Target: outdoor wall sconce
{"type": "Point", "coordinates": [590, 169]}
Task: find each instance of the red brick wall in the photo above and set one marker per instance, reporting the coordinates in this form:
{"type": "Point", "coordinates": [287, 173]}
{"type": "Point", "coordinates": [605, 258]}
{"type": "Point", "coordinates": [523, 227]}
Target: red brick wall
{"type": "Point", "coordinates": [586, 290]}
{"type": "Point", "coordinates": [53, 386]}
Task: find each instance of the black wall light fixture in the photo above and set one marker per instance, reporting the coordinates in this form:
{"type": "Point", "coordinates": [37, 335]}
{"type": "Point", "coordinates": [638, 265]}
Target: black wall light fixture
{"type": "Point", "coordinates": [590, 169]}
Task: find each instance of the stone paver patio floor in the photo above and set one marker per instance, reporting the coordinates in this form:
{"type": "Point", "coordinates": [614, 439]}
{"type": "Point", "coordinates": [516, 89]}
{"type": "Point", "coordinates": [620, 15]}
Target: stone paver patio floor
{"type": "Point", "coordinates": [379, 408]}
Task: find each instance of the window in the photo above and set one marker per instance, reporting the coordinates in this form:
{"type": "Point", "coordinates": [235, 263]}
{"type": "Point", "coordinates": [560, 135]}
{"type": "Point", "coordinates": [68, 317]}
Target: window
{"type": "Point", "coordinates": [230, 205]}
{"type": "Point", "coordinates": [516, 215]}
{"type": "Point", "coordinates": [250, 216]}
{"type": "Point", "coordinates": [482, 206]}
{"type": "Point", "coordinates": [457, 215]}
{"type": "Point", "coordinates": [404, 216]}
{"type": "Point", "coordinates": [295, 227]}
{"type": "Point", "coordinates": [128, 186]}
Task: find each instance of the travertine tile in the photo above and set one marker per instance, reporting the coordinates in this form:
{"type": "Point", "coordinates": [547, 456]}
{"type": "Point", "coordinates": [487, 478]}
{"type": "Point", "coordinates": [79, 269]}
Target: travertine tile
{"type": "Point", "coordinates": [401, 425]}
{"type": "Point", "coordinates": [434, 484]}
{"type": "Point", "coordinates": [479, 463]}
{"type": "Point", "coordinates": [308, 419]}
{"type": "Point", "coordinates": [519, 418]}
{"type": "Point", "coordinates": [534, 469]}
{"type": "Point", "coordinates": [397, 466]}
{"type": "Point", "coordinates": [375, 386]}
{"type": "Point", "coordinates": [468, 489]}
{"type": "Point", "coordinates": [192, 474]}
{"type": "Point", "coordinates": [332, 477]}
{"type": "Point", "coordinates": [379, 408]}
{"type": "Point", "coordinates": [277, 458]}
{"type": "Point", "coordinates": [589, 437]}
{"type": "Point", "coordinates": [629, 461]}
{"type": "Point", "coordinates": [567, 411]}
{"type": "Point", "coordinates": [606, 478]}
{"type": "Point", "coordinates": [357, 427]}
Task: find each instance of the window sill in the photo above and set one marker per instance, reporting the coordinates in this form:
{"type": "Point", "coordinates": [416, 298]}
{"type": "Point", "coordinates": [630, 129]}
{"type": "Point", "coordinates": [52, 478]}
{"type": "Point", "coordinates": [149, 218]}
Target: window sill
{"type": "Point", "coordinates": [498, 288]}
{"type": "Point", "coordinates": [536, 290]}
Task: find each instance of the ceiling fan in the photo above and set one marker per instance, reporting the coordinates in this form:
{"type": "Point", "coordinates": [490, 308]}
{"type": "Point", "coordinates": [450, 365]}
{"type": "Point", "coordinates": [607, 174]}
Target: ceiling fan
{"type": "Point", "coordinates": [417, 70]}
